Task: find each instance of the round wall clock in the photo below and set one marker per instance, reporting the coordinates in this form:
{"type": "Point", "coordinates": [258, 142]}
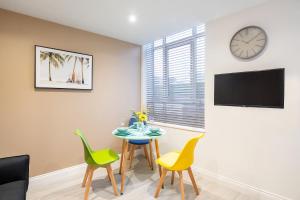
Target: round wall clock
{"type": "Point", "coordinates": [248, 42]}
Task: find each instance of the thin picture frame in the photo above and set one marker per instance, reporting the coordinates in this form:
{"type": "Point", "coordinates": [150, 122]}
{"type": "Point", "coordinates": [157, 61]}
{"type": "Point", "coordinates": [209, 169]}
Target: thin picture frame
{"type": "Point", "coordinates": [62, 69]}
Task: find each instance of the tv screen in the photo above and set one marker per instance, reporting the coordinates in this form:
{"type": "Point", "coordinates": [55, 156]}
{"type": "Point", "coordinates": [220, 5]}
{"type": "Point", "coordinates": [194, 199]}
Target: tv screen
{"type": "Point", "coordinates": [251, 89]}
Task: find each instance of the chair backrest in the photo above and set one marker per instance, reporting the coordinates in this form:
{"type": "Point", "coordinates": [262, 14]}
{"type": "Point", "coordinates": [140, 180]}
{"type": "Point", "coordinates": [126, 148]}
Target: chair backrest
{"type": "Point", "coordinates": [87, 148]}
{"type": "Point", "coordinates": [186, 156]}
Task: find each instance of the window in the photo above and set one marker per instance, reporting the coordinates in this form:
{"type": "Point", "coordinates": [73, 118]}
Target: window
{"type": "Point", "coordinates": [174, 67]}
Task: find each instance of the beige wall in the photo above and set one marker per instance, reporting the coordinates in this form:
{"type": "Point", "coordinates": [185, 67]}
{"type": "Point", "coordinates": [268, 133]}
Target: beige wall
{"type": "Point", "coordinates": [41, 122]}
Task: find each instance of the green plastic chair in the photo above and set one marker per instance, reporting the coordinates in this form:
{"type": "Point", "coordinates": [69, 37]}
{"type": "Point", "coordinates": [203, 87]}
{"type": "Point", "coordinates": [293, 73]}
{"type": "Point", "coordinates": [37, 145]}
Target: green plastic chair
{"type": "Point", "coordinates": [95, 159]}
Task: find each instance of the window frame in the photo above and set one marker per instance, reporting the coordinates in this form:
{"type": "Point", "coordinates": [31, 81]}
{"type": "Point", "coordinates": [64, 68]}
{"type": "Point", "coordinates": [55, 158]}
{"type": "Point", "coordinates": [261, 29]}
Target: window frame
{"type": "Point", "coordinates": [190, 40]}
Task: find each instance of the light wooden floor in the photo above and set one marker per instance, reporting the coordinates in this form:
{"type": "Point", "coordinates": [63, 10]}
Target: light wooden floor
{"type": "Point", "coordinates": [140, 185]}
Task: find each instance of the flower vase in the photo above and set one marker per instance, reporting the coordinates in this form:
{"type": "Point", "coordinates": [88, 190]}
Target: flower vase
{"type": "Point", "coordinates": [140, 126]}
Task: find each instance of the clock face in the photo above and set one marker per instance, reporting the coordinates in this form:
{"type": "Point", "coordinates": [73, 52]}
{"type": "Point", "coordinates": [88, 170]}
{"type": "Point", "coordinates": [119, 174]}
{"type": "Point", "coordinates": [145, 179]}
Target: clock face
{"type": "Point", "coordinates": [248, 42]}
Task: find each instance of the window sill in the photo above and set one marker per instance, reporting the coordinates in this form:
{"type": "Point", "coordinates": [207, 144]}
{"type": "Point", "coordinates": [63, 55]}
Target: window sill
{"type": "Point", "coordinates": [186, 128]}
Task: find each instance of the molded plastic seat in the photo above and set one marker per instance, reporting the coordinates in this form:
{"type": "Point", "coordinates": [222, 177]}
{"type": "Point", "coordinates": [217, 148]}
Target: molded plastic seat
{"type": "Point", "coordinates": [100, 157]}
{"type": "Point", "coordinates": [168, 160]}
{"type": "Point", "coordinates": [179, 161]}
{"type": "Point", "coordinates": [139, 142]}
{"type": "Point", "coordinates": [94, 159]}
{"type": "Point", "coordinates": [105, 156]}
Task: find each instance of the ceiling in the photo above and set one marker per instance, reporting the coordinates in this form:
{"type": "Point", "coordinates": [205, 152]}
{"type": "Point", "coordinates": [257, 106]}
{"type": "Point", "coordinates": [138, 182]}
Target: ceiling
{"type": "Point", "coordinates": [155, 18]}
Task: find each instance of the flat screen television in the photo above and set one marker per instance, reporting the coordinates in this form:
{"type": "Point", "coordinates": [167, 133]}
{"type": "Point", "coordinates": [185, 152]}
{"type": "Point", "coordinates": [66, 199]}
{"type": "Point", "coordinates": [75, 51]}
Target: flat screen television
{"type": "Point", "coordinates": [250, 89]}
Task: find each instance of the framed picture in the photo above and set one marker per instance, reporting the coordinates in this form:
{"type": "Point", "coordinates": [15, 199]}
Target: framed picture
{"type": "Point", "coordinates": [56, 68]}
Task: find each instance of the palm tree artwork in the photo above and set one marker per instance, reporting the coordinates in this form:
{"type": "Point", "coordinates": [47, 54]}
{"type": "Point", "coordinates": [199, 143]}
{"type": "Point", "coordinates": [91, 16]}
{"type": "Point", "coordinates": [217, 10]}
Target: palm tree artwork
{"type": "Point", "coordinates": [73, 78]}
{"type": "Point", "coordinates": [82, 62]}
{"type": "Point", "coordinates": [81, 59]}
{"type": "Point", "coordinates": [54, 59]}
{"type": "Point", "coordinates": [55, 68]}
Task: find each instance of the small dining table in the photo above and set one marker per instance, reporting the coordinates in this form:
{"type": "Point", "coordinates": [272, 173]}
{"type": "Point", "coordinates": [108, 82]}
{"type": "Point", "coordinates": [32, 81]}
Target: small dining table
{"type": "Point", "coordinates": [136, 134]}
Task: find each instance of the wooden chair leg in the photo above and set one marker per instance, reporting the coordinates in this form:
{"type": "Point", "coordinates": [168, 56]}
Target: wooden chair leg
{"type": "Point", "coordinates": [123, 169]}
{"type": "Point", "coordinates": [173, 177]}
{"type": "Point", "coordinates": [89, 183]}
{"type": "Point", "coordinates": [129, 150]}
{"type": "Point", "coordinates": [131, 156]}
{"type": "Point", "coordinates": [151, 153]}
{"type": "Point", "coordinates": [109, 178]}
{"type": "Point", "coordinates": [157, 157]}
{"type": "Point", "coordinates": [147, 156]}
{"type": "Point", "coordinates": [122, 157]}
{"type": "Point", "coordinates": [85, 176]}
{"type": "Point", "coordinates": [193, 181]}
{"type": "Point", "coordinates": [161, 181]}
{"type": "Point", "coordinates": [181, 184]}
{"type": "Point", "coordinates": [112, 178]}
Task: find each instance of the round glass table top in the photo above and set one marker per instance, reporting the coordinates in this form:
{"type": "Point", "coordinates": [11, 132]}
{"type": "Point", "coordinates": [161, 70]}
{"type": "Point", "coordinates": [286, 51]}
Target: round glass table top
{"type": "Point", "coordinates": [137, 134]}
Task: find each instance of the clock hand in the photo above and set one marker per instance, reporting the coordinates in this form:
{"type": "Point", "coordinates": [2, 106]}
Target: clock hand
{"type": "Point", "coordinates": [243, 41]}
{"type": "Point", "coordinates": [253, 38]}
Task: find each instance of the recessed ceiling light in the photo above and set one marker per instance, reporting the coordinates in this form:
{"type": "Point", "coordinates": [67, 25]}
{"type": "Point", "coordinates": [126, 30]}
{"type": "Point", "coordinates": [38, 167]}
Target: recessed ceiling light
{"type": "Point", "coordinates": [132, 18]}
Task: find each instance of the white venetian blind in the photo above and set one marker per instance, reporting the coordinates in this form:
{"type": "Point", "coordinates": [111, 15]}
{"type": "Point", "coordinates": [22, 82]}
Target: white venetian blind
{"type": "Point", "coordinates": [175, 68]}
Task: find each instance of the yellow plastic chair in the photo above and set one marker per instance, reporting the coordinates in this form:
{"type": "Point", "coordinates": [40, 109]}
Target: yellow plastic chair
{"type": "Point", "coordinates": [178, 162]}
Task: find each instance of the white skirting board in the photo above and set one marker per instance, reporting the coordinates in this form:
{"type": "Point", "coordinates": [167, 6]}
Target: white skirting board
{"type": "Point", "coordinates": [79, 170]}
{"type": "Point", "coordinates": [260, 194]}
{"type": "Point", "coordinates": [56, 175]}
{"type": "Point", "coordinates": [67, 173]}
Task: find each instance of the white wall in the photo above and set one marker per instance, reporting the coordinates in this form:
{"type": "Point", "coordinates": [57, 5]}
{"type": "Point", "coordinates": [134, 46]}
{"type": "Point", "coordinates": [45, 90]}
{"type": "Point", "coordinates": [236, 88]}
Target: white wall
{"type": "Point", "coordinates": [256, 146]}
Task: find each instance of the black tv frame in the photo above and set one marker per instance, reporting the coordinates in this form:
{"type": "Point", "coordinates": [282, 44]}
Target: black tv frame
{"type": "Point", "coordinates": [253, 106]}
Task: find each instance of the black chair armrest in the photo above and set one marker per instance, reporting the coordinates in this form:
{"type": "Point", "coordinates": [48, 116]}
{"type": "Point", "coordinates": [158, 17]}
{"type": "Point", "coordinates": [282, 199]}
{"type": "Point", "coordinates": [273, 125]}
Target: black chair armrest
{"type": "Point", "coordinates": [14, 168]}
